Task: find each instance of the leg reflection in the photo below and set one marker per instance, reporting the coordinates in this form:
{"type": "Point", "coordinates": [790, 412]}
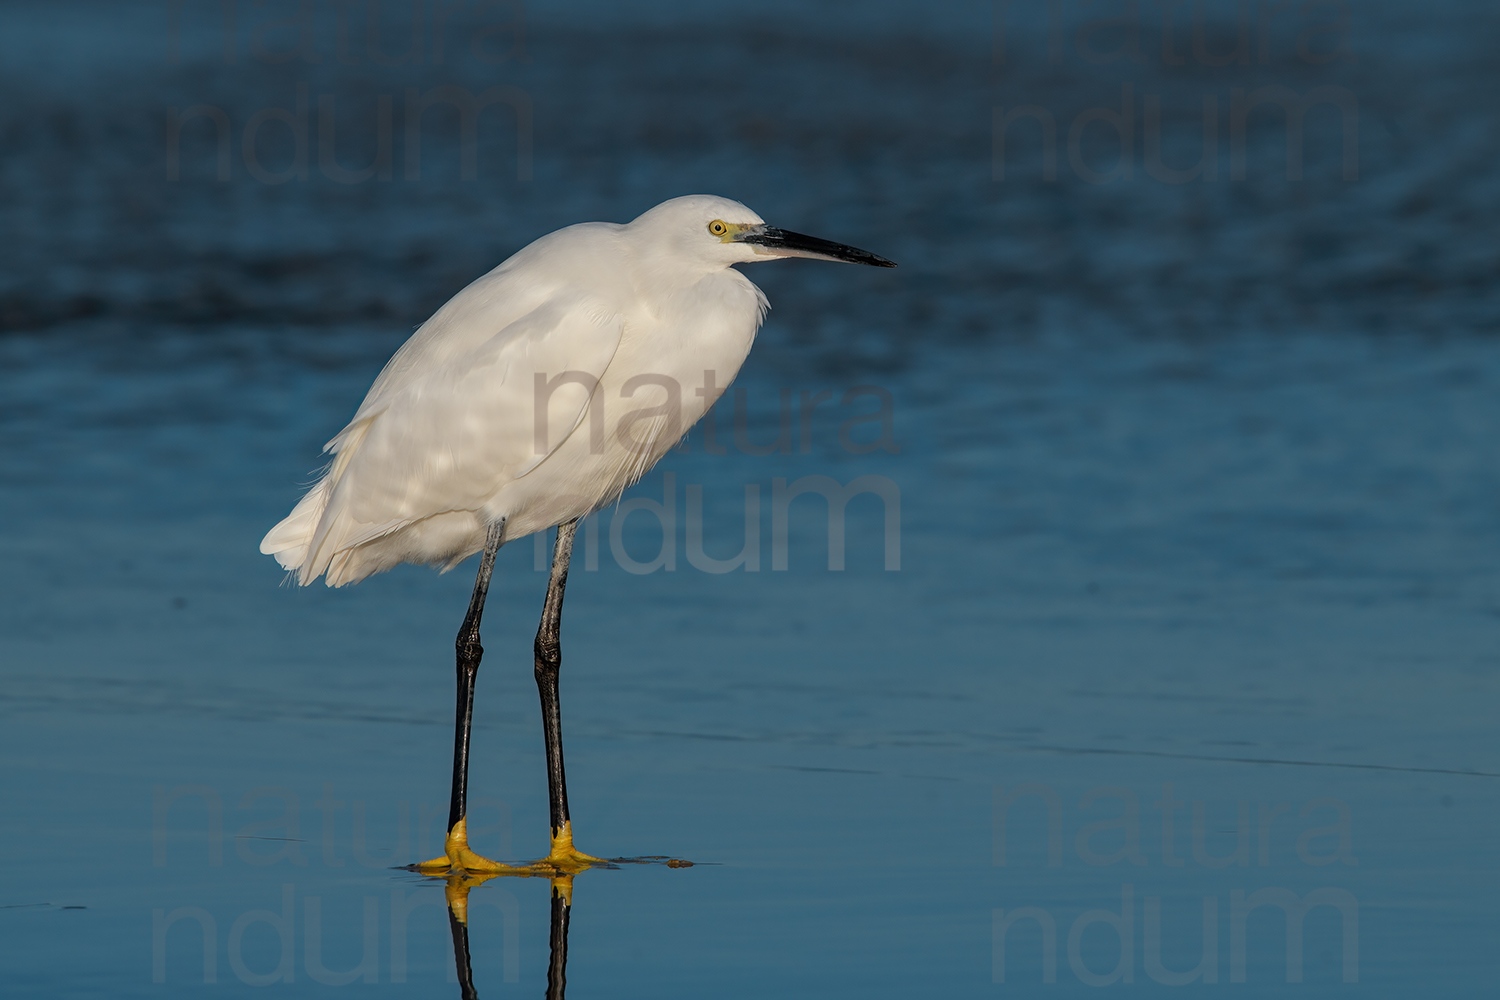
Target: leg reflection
{"type": "Point", "coordinates": [458, 923]}
{"type": "Point", "coordinates": [557, 966]}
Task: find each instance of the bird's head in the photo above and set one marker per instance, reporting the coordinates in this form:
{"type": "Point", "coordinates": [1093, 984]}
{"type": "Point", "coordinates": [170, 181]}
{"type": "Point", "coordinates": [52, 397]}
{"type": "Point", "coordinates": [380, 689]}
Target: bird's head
{"type": "Point", "coordinates": [714, 233]}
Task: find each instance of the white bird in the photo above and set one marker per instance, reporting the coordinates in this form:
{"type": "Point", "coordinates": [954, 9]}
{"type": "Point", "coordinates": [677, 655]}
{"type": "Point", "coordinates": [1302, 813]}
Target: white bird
{"type": "Point", "coordinates": [530, 399]}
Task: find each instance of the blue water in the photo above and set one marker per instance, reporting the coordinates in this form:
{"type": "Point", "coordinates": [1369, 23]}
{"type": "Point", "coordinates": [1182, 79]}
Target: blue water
{"type": "Point", "coordinates": [1190, 608]}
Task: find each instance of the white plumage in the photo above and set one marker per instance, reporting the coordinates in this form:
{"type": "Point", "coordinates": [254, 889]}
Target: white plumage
{"type": "Point", "coordinates": [461, 430]}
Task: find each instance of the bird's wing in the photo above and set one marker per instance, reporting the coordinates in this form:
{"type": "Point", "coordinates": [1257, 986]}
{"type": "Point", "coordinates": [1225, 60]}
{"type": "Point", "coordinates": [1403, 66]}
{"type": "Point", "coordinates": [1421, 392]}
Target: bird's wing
{"type": "Point", "coordinates": [488, 311]}
{"type": "Point", "coordinates": [446, 435]}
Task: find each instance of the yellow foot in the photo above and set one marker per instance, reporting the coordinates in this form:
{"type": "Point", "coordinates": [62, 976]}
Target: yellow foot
{"type": "Point", "coordinates": [562, 859]}
{"type": "Point", "coordinates": [458, 858]}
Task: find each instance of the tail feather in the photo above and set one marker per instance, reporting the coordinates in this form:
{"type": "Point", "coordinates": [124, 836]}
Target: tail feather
{"type": "Point", "coordinates": [290, 540]}
{"type": "Point", "coordinates": [309, 539]}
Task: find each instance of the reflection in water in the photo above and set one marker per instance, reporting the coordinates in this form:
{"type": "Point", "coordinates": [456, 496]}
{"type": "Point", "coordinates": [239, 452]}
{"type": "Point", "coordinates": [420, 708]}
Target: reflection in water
{"type": "Point", "coordinates": [557, 938]}
{"type": "Point", "coordinates": [457, 894]}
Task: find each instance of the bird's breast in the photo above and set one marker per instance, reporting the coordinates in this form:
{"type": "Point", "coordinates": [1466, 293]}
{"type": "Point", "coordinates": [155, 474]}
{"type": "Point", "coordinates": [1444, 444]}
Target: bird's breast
{"type": "Point", "coordinates": [674, 363]}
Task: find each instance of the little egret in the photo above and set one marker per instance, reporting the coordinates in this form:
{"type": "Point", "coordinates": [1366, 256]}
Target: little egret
{"type": "Point", "coordinates": [531, 398]}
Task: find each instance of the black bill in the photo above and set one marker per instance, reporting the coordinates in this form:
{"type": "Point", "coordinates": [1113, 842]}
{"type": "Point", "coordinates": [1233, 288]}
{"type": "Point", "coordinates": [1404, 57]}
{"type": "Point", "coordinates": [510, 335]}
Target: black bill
{"type": "Point", "coordinates": [780, 243]}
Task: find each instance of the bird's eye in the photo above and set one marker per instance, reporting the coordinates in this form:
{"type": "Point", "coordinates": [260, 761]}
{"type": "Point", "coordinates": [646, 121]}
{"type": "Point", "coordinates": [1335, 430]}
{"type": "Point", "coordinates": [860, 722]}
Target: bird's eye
{"type": "Point", "coordinates": [717, 227]}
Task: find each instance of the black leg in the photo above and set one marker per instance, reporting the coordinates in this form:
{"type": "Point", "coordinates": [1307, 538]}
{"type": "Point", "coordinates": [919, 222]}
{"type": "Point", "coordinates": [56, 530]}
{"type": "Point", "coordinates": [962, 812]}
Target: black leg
{"type": "Point", "coordinates": [469, 653]}
{"type": "Point", "coordinates": [548, 665]}
{"type": "Point", "coordinates": [563, 857]}
{"type": "Point", "coordinates": [557, 965]}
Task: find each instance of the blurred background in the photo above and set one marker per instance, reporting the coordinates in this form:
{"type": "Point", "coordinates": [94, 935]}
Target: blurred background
{"type": "Point", "coordinates": [1179, 664]}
